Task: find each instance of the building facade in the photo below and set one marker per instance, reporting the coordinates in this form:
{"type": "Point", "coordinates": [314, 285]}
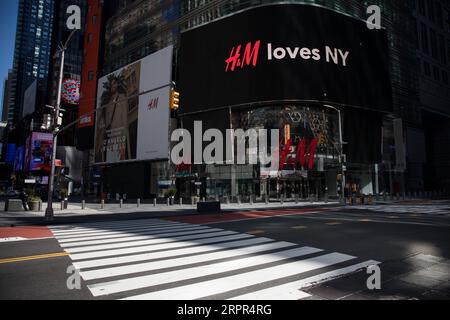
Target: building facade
{"type": "Point", "coordinates": [407, 157]}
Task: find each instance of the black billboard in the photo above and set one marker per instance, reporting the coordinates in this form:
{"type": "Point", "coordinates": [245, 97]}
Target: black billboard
{"type": "Point", "coordinates": [284, 52]}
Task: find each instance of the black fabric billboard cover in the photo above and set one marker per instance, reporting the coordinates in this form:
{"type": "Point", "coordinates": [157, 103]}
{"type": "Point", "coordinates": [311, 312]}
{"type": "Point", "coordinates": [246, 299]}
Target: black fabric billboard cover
{"type": "Point", "coordinates": [284, 52]}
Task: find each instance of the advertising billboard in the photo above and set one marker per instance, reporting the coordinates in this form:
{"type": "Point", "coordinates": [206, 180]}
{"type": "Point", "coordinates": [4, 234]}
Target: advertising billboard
{"type": "Point", "coordinates": [133, 111]}
{"type": "Point", "coordinates": [284, 52]}
{"type": "Point", "coordinates": [41, 149]}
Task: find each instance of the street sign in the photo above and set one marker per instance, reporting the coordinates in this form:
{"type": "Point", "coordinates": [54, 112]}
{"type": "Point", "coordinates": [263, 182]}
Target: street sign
{"type": "Point", "coordinates": [30, 181]}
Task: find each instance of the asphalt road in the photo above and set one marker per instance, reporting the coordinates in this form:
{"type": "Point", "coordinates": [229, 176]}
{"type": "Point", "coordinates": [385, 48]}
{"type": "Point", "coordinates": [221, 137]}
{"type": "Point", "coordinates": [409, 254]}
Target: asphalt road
{"type": "Point", "coordinates": [413, 249]}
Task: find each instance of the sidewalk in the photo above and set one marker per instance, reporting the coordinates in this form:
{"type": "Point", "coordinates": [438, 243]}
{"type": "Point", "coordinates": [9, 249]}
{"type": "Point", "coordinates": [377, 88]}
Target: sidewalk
{"type": "Point", "coordinates": [158, 210]}
{"type": "Point", "coordinates": [93, 212]}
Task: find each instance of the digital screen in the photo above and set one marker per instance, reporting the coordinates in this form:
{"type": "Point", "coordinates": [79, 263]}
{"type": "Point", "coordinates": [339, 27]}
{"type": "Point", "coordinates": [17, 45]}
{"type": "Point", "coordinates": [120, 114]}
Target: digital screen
{"type": "Point", "coordinates": [288, 52]}
{"type": "Point", "coordinates": [41, 152]}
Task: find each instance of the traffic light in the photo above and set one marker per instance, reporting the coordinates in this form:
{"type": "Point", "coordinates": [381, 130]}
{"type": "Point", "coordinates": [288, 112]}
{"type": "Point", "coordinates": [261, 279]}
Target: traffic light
{"type": "Point", "coordinates": [174, 100]}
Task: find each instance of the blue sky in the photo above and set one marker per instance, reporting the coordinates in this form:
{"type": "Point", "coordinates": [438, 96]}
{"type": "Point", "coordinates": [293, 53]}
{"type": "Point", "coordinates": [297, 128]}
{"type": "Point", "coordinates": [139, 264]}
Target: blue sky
{"type": "Point", "coordinates": [8, 19]}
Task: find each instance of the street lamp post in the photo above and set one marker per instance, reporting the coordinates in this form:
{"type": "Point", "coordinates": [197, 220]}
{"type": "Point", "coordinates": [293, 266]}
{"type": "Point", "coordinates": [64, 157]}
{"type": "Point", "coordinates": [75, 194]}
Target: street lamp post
{"type": "Point", "coordinates": [49, 213]}
{"type": "Point", "coordinates": [341, 153]}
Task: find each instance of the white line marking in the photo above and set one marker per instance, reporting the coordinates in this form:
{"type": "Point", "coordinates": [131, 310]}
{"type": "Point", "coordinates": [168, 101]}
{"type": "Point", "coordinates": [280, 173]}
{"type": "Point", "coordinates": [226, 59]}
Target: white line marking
{"type": "Point", "coordinates": [111, 253]}
{"type": "Point", "coordinates": [289, 291]}
{"type": "Point", "coordinates": [93, 226]}
{"type": "Point", "coordinates": [100, 232]}
{"type": "Point", "coordinates": [171, 254]}
{"type": "Point", "coordinates": [94, 246]}
{"type": "Point", "coordinates": [150, 241]}
{"type": "Point", "coordinates": [227, 284]}
{"type": "Point", "coordinates": [159, 265]}
{"type": "Point", "coordinates": [91, 240]}
{"type": "Point", "coordinates": [129, 284]}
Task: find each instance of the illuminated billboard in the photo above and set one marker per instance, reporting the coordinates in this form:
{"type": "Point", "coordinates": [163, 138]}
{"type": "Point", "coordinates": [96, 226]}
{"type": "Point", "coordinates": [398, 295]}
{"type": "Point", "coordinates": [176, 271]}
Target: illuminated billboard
{"type": "Point", "coordinates": [284, 52]}
{"type": "Point", "coordinates": [41, 151]}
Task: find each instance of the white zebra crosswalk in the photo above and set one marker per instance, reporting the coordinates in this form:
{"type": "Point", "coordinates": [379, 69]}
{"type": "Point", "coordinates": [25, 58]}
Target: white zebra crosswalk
{"type": "Point", "coordinates": [432, 210]}
{"type": "Point", "coordinates": [161, 260]}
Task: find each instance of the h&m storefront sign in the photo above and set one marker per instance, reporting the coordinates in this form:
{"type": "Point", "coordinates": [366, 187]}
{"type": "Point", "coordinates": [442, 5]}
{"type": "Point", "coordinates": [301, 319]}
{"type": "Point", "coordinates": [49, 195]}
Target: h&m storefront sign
{"type": "Point", "coordinates": [284, 52]}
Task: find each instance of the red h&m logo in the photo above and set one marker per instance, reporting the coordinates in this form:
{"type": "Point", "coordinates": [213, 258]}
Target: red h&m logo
{"type": "Point", "coordinates": [305, 154]}
{"type": "Point", "coordinates": [249, 58]}
{"type": "Point", "coordinates": [153, 104]}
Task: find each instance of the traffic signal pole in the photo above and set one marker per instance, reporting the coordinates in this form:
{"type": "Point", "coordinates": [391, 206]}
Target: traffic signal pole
{"type": "Point", "coordinates": [341, 152]}
{"type": "Point", "coordinates": [49, 213]}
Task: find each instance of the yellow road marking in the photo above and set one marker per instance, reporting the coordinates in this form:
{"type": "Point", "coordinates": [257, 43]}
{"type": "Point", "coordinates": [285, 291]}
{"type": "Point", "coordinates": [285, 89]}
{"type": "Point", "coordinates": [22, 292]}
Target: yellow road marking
{"type": "Point", "coordinates": [365, 220]}
{"type": "Point", "coordinates": [256, 232]}
{"type": "Point", "coordinates": [299, 227]}
{"type": "Point", "coordinates": [31, 258]}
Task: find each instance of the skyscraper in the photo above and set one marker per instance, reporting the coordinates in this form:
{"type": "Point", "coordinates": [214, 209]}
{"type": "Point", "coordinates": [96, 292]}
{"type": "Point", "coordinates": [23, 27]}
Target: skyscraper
{"type": "Point", "coordinates": [32, 55]}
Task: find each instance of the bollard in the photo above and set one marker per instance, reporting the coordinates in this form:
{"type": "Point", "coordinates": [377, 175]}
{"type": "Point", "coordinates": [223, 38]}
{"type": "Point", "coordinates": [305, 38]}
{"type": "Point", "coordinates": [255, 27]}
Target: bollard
{"type": "Point", "coordinates": [267, 200]}
{"type": "Point", "coordinates": [40, 206]}
{"type": "Point", "coordinates": [326, 197]}
{"type": "Point", "coordinates": [251, 200]}
{"type": "Point", "coordinates": [181, 201]}
{"type": "Point", "coordinates": [138, 203]}
{"type": "Point", "coordinates": [193, 201]}
{"type": "Point", "coordinates": [154, 202]}
{"type": "Point", "coordinates": [102, 204]}
{"type": "Point", "coordinates": [83, 205]}
{"type": "Point", "coordinates": [62, 205]}
{"type": "Point", "coordinates": [168, 202]}
{"type": "Point", "coordinates": [121, 203]}
{"type": "Point", "coordinates": [239, 200]}
{"type": "Point", "coordinates": [228, 200]}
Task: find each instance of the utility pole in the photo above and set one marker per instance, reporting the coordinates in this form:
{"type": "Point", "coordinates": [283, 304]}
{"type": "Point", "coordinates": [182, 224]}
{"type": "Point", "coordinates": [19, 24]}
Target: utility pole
{"type": "Point", "coordinates": [49, 213]}
{"type": "Point", "coordinates": [342, 157]}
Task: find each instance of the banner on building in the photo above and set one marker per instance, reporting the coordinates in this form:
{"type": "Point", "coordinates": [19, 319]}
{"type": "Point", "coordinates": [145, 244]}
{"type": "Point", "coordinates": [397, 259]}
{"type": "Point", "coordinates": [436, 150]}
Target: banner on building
{"type": "Point", "coordinates": [133, 111]}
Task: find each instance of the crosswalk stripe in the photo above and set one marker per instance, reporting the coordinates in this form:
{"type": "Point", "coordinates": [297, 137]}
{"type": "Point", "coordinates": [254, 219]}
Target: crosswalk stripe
{"type": "Point", "coordinates": [235, 243]}
{"type": "Point", "coordinates": [222, 285]}
{"type": "Point", "coordinates": [150, 241]}
{"type": "Point", "coordinates": [130, 284]}
{"type": "Point", "coordinates": [289, 291]}
{"type": "Point", "coordinates": [159, 265]}
{"type": "Point", "coordinates": [120, 231]}
{"type": "Point", "coordinates": [127, 235]}
{"type": "Point", "coordinates": [111, 253]}
{"type": "Point", "coordinates": [94, 246]}
{"type": "Point", "coordinates": [106, 225]}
